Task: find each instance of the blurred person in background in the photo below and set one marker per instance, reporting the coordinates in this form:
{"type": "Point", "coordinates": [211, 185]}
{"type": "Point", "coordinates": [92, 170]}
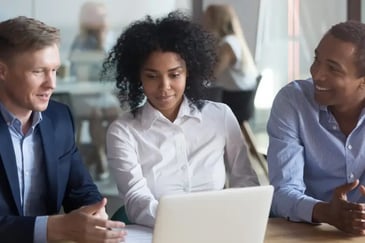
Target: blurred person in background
{"type": "Point", "coordinates": [93, 41]}
{"type": "Point", "coordinates": [88, 51]}
{"type": "Point", "coordinates": [235, 71]}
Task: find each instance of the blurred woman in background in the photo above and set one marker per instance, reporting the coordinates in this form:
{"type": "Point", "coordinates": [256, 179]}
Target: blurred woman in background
{"type": "Point", "coordinates": [235, 71]}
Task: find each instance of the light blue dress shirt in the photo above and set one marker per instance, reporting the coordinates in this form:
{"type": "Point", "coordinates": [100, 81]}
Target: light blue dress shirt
{"type": "Point", "coordinates": [308, 155]}
{"type": "Point", "coordinates": [31, 170]}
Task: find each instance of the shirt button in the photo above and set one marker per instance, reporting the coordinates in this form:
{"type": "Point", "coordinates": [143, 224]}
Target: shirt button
{"type": "Point", "coordinates": [349, 147]}
{"type": "Point", "coordinates": [351, 176]}
{"type": "Point", "coordinates": [334, 127]}
{"type": "Point", "coordinates": [184, 167]}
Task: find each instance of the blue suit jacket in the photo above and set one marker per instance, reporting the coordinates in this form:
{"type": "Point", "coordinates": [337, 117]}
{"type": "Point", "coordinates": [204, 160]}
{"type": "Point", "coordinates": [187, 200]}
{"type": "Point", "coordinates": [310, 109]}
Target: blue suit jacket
{"type": "Point", "coordinates": [68, 182]}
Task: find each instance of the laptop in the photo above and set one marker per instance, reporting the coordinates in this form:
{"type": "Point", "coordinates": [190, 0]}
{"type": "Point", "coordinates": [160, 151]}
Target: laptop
{"type": "Point", "coordinates": [235, 215]}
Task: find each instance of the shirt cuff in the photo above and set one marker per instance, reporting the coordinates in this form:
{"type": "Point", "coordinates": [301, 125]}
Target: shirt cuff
{"type": "Point", "coordinates": [40, 229]}
{"type": "Point", "coordinates": [305, 209]}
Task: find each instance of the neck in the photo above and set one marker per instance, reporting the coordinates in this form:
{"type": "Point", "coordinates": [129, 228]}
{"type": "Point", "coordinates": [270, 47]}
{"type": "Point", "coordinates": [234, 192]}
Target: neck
{"type": "Point", "coordinates": [346, 118]}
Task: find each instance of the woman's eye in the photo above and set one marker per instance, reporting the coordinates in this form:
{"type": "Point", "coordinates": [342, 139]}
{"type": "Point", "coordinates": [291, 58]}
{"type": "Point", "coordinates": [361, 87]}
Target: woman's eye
{"type": "Point", "coordinates": [151, 76]}
{"type": "Point", "coordinates": [175, 75]}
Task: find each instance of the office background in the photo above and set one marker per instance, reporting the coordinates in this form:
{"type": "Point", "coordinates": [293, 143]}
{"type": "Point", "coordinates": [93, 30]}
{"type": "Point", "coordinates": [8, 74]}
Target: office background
{"type": "Point", "coordinates": [281, 34]}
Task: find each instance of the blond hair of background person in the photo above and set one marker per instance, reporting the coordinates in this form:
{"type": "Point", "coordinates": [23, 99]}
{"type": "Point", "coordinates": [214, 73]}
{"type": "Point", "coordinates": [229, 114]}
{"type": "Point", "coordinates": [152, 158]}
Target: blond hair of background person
{"type": "Point", "coordinates": [94, 26]}
{"type": "Point", "coordinates": [235, 71]}
{"type": "Point", "coordinates": [94, 40]}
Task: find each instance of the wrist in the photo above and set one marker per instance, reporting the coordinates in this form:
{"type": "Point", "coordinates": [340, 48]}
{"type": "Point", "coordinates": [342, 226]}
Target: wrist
{"type": "Point", "coordinates": [56, 228]}
{"type": "Point", "coordinates": [320, 213]}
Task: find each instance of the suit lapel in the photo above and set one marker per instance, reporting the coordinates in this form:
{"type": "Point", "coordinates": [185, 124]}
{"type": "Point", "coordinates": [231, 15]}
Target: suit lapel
{"type": "Point", "coordinates": [9, 162]}
{"type": "Point", "coordinates": [50, 157]}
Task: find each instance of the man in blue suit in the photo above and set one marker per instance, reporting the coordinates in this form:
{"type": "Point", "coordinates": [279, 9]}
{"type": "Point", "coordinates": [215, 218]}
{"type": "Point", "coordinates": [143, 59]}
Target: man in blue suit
{"type": "Point", "coordinates": [41, 169]}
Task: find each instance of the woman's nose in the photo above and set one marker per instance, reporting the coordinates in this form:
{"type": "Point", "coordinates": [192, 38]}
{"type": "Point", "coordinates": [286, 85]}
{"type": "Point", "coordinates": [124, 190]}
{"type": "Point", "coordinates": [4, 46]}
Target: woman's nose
{"type": "Point", "coordinates": [165, 83]}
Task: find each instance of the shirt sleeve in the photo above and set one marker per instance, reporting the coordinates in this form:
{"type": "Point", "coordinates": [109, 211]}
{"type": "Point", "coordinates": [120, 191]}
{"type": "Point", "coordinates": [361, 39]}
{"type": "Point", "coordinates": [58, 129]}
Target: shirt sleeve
{"type": "Point", "coordinates": [140, 204]}
{"type": "Point", "coordinates": [40, 229]}
{"type": "Point", "coordinates": [236, 157]}
{"type": "Point", "coordinates": [235, 45]}
{"type": "Point", "coordinates": [286, 160]}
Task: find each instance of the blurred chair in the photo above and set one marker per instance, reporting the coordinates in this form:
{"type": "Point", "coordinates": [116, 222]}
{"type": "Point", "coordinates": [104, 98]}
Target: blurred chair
{"type": "Point", "coordinates": [247, 131]}
{"type": "Point", "coordinates": [250, 139]}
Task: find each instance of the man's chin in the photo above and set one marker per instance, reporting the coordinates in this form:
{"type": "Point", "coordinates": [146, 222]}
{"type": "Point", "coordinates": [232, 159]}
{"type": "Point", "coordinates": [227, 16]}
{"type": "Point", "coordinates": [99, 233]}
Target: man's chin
{"type": "Point", "coordinates": [40, 108]}
{"type": "Point", "coordinates": [321, 101]}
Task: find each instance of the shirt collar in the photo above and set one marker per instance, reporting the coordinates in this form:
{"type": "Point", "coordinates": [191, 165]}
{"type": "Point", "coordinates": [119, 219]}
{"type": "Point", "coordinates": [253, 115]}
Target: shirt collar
{"type": "Point", "coordinates": [11, 120]}
{"type": "Point", "coordinates": [325, 113]}
{"type": "Point", "coordinates": [323, 107]}
{"type": "Point", "coordinates": [149, 114]}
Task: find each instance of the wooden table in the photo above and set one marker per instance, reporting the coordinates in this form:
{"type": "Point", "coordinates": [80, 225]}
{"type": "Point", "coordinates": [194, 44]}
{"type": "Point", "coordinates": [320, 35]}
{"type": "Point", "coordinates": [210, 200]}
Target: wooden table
{"type": "Point", "coordinates": [278, 231]}
{"type": "Point", "coordinates": [282, 231]}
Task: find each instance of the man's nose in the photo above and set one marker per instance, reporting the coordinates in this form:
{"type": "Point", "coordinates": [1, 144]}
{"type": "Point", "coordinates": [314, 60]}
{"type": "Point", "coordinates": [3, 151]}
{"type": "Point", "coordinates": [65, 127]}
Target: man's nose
{"type": "Point", "coordinates": [50, 78]}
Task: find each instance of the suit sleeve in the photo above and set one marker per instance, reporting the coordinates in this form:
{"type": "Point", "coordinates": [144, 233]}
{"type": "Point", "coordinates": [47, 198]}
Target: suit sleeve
{"type": "Point", "coordinates": [15, 229]}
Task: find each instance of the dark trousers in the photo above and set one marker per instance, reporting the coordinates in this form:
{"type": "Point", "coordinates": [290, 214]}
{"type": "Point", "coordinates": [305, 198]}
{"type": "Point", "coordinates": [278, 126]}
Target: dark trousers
{"type": "Point", "coordinates": [241, 103]}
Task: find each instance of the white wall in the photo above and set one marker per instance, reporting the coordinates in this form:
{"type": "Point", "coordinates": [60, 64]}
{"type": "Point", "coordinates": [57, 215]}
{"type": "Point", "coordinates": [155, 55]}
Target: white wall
{"type": "Point", "coordinates": [11, 8]}
{"type": "Point", "coordinates": [64, 13]}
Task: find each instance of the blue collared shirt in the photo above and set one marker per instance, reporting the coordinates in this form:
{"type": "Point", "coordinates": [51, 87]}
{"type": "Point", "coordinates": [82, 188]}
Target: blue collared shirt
{"type": "Point", "coordinates": [308, 154]}
{"type": "Point", "coordinates": [31, 170]}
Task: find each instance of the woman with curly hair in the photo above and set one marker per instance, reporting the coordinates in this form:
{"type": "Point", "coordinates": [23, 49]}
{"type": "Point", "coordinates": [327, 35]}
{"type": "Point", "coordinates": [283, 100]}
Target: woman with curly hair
{"type": "Point", "coordinates": [172, 141]}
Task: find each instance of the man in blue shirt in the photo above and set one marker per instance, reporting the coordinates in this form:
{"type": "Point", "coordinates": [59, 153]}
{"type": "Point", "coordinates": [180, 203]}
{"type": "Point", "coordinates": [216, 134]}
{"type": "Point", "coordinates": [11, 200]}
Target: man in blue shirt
{"type": "Point", "coordinates": [316, 127]}
{"type": "Point", "coordinates": [41, 168]}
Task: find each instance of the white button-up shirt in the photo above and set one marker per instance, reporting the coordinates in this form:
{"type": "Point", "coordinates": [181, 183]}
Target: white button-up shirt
{"type": "Point", "coordinates": [151, 156]}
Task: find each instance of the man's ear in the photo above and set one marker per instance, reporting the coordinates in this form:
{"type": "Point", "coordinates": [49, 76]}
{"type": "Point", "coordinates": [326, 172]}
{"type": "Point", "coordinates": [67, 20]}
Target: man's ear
{"type": "Point", "coordinates": [362, 83]}
{"type": "Point", "coordinates": [3, 70]}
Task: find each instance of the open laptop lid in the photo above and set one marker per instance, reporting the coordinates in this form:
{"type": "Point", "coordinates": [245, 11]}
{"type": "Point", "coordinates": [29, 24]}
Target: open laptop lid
{"type": "Point", "coordinates": [236, 215]}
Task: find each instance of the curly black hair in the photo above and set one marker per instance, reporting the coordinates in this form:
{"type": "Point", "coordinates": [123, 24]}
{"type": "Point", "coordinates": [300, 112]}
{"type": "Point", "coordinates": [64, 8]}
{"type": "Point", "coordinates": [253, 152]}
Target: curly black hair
{"type": "Point", "coordinates": [173, 33]}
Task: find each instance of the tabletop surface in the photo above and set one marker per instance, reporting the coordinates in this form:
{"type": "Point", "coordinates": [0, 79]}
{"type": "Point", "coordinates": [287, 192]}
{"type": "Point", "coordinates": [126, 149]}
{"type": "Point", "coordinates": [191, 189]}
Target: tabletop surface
{"type": "Point", "coordinates": [281, 230]}
{"type": "Point", "coordinates": [278, 231]}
